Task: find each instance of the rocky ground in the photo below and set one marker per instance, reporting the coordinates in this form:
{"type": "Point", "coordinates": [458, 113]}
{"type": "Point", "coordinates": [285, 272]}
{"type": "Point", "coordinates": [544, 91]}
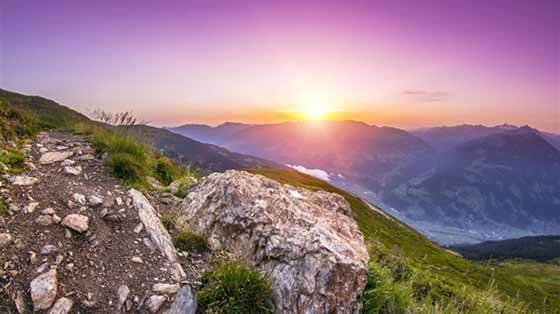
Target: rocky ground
{"type": "Point", "coordinates": [75, 240]}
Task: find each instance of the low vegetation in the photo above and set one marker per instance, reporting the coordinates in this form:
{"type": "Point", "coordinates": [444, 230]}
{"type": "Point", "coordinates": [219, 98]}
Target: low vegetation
{"type": "Point", "coordinates": [234, 288]}
{"type": "Point", "coordinates": [410, 274]}
{"type": "Point", "coordinates": [188, 240]}
{"type": "Point", "coordinates": [169, 220]}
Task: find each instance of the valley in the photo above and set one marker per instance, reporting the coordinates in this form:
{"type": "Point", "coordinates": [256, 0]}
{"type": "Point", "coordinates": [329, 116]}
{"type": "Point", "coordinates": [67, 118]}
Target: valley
{"type": "Point", "coordinates": [462, 184]}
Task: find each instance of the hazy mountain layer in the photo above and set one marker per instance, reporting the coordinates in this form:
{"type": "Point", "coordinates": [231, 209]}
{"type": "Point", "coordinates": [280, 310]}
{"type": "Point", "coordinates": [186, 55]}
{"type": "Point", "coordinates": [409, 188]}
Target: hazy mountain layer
{"type": "Point", "coordinates": [456, 184]}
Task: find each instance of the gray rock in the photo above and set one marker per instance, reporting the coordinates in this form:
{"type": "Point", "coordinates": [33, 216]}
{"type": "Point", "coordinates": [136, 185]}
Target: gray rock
{"type": "Point", "coordinates": [86, 157]}
{"type": "Point", "coordinates": [307, 242]}
{"type": "Point", "coordinates": [44, 289]}
{"type": "Point", "coordinates": [155, 302]}
{"type": "Point", "coordinates": [76, 222]}
{"type": "Point", "coordinates": [30, 208]}
{"type": "Point", "coordinates": [62, 306]}
{"type": "Point", "coordinates": [48, 211]}
{"type": "Point", "coordinates": [67, 162]}
{"type": "Point", "coordinates": [164, 288]}
{"type": "Point", "coordinates": [48, 249]}
{"type": "Point", "coordinates": [122, 295]}
{"type": "Point", "coordinates": [5, 239]}
{"type": "Point", "coordinates": [23, 180]}
{"type": "Point", "coordinates": [185, 302]}
{"type": "Point", "coordinates": [79, 198]}
{"type": "Point", "coordinates": [157, 232]}
{"type": "Point", "coordinates": [52, 157]}
{"type": "Point", "coordinates": [76, 171]}
{"type": "Point", "coordinates": [94, 200]}
{"type": "Point", "coordinates": [44, 220]}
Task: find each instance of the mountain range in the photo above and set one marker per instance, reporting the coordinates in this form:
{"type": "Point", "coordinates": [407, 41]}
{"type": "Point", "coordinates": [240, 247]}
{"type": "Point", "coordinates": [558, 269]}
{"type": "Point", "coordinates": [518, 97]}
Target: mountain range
{"type": "Point", "coordinates": [459, 184]}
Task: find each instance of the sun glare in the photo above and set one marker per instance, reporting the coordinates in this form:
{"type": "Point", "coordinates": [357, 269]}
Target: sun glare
{"type": "Point", "coordinates": [315, 112]}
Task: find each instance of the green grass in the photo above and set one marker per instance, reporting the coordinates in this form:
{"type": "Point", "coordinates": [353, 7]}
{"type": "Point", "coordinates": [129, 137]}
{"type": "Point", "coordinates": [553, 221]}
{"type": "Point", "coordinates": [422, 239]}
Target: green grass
{"type": "Point", "coordinates": [128, 158]}
{"type": "Point", "coordinates": [169, 220]}
{"type": "Point", "coordinates": [189, 241]}
{"type": "Point", "coordinates": [13, 159]}
{"type": "Point", "coordinates": [431, 274]}
{"type": "Point", "coordinates": [234, 288]}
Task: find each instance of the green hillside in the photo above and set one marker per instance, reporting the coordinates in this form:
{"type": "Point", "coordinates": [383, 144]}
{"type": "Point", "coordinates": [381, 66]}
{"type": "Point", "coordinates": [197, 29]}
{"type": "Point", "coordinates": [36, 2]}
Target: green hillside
{"type": "Point", "coordinates": [408, 273]}
{"type": "Point", "coordinates": [435, 280]}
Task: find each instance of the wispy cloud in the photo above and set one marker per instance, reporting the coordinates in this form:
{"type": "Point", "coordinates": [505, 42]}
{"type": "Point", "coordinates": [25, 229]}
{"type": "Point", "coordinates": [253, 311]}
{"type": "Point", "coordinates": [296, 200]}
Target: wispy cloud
{"type": "Point", "coordinates": [425, 96]}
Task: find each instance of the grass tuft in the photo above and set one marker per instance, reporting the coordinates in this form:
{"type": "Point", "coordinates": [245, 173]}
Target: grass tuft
{"type": "Point", "coordinates": [234, 288]}
{"type": "Point", "coordinates": [169, 220]}
{"type": "Point", "coordinates": [187, 240]}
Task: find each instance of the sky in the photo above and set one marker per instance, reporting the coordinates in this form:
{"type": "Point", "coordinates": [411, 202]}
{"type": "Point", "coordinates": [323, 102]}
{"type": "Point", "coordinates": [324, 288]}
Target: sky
{"type": "Point", "coordinates": [400, 63]}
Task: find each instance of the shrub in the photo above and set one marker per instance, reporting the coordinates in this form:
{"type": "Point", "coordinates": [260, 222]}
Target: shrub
{"type": "Point", "coordinates": [187, 240]}
{"type": "Point", "coordinates": [234, 288]}
{"type": "Point", "coordinates": [183, 187]}
{"type": "Point", "coordinates": [15, 160]}
{"type": "Point", "coordinates": [2, 208]}
{"type": "Point", "coordinates": [125, 167]}
{"type": "Point", "coordinates": [169, 220]}
{"type": "Point", "coordinates": [382, 294]}
{"type": "Point", "coordinates": [164, 171]}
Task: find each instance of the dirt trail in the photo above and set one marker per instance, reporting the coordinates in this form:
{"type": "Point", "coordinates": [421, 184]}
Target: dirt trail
{"type": "Point", "coordinates": [101, 247]}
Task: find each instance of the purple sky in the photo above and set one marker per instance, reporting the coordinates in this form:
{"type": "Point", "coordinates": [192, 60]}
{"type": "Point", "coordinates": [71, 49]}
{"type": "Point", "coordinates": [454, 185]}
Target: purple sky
{"type": "Point", "coordinates": [400, 63]}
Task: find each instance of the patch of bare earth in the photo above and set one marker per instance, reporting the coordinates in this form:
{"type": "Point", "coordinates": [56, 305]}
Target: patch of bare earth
{"type": "Point", "coordinates": [81, 222]}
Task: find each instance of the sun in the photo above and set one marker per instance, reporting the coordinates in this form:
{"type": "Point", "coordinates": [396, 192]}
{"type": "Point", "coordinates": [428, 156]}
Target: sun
{"type": "Point", "coordinates": [315, 112]}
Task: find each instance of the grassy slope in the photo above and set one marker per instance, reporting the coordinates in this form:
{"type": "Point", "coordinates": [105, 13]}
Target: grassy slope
{"type": "Point", "coordinates": [532, 283]}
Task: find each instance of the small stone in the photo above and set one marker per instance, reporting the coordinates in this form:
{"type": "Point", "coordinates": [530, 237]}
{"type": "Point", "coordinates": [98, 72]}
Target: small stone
{"type": "Point", "coordinates": [52, 157]}
{"type": "Point", "coordinates": [44, 289]}
{"type": "Point", "coordinates": [30, 208]}
{"type": "Point", "coordinates": [48, 249]}
{"type": "Point", "coordinates": [62, 306]}
{"type": "Point", "coordinates": [119, 201]}
{"type": "Point", "coordinates": [94, 200]}
{"type": "Point", "coordinates": [76, 171]}
{"type": "Point", "coordinates": [164, 288]}
{"type": "Point", "coordinates": [44, 220]}
{"type": "Point", "coordinates": [155, 302]}
{"type": "Point", "coordinates": [48, 211]}
{"type": "Point", "coordinates": [69, 267]}
{"type": "Point", "coordinates": [79, 198]}
{"type": "Point", "coordinates": [30, 165]}
{"type": "Point", "coordinates": [137, 259]}
{"type": "Point", "coordinates": [59, 259]}
{"type": "Point", "coordinates": [56, 219]}
{"type": "Point", "coordinates": [86, 157]}
{"type": "Point", "coordinates": [42, 268]}
{"type": "Point", "coordinates": [24, 180]}
{"type": "Point", "coordinates": [138, 228]}
{"type": "Point", "coordinates": [122, 295]}
{"type": "Point", "coordinates": [5, 239]}
{"type": "Point", "coordinates": [33, 258]}
{"type": "Point", "coordinates": [104, 212]}
{"type": "Point", "coordinates": [67, 162]}
{"type": "Point", "coordinates": [76, 222]}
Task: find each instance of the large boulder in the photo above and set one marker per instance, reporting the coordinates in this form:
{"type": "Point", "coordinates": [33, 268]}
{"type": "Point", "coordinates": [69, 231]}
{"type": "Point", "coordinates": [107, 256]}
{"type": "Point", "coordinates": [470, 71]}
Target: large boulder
{"type": "Point", "coordinates": [307, 242]}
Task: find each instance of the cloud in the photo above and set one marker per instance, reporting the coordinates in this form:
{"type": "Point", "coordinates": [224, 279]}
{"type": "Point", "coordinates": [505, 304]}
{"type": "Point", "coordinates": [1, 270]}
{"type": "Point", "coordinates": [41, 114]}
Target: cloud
{"type": "Point", "coordinates": [317, 173]}
{"type": "Point", "coordinates": [425, 96]}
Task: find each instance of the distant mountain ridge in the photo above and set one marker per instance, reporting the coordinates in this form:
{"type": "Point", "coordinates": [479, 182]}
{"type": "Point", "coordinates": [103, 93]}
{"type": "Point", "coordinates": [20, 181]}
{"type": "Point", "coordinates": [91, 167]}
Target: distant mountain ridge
{"type": "Point", "coordinates": [465, 183]}
{"type": "Point", "coordinates": [540, 248]}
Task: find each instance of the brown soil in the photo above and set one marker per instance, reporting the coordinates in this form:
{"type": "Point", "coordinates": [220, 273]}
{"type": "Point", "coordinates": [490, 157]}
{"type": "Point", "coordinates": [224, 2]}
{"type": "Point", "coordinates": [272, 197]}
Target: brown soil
{"type": "Point", "coordinates": [101, 256]}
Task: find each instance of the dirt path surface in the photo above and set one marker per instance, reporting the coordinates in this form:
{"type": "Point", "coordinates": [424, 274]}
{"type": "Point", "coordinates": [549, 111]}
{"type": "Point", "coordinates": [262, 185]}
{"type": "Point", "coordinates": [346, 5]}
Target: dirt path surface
{"type": "Point", "coordinates": [72, 242]}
